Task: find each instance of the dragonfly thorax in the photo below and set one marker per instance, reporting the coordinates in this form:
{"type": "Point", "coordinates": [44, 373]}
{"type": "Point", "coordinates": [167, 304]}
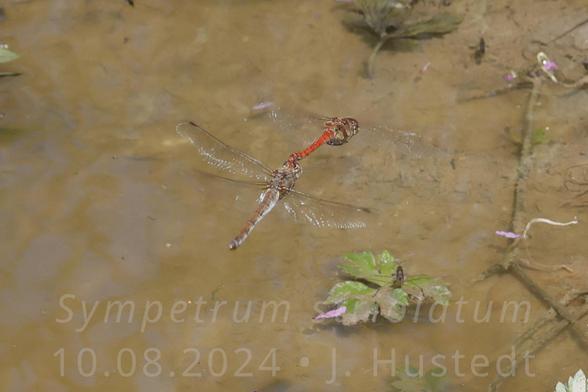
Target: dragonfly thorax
{"type": "Point", "coordinates": [284, 178]}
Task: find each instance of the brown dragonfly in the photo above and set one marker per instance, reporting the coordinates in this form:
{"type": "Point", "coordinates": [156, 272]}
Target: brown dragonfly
{"type": "Point", "coordinates": [279, 183]}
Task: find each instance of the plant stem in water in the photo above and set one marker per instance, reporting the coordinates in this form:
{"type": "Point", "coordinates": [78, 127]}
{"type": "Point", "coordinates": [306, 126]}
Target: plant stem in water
{"type": "Point", "coordinates": [370, 64]}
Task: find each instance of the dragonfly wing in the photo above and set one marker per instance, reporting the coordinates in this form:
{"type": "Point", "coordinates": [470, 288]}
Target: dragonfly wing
{"type": "Point", "coordinates": [221, 156]}
{"type": "Point", "coordinates": [325, 213]}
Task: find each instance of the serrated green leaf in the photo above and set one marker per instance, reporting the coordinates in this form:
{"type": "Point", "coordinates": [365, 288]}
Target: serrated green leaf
{"type": "Point", "coordinates": [392, 303]}
{"type": "Point", "coordinates": [419, 280]}
{"type": "Point", "coordinates": [423, 287]}
{"type": "Point", "coordinates": [401, 296]}
{"type": "Point", "coordinates": [350, 304]}
{"type": "Point", "coordinates": [439, 293]}
{"type": "Point", "coordinates": [364, 265]}
{"type": "Point", "coordinates": [7, 55]}
{"type": "Point", "coordinates": [363, 309]}
{"type": "Point", "coordinates": [359, 264]}
{"type": "Point", "coordinates": [386, 263]}
{"type": "Point", "coordinates": [348, 289]}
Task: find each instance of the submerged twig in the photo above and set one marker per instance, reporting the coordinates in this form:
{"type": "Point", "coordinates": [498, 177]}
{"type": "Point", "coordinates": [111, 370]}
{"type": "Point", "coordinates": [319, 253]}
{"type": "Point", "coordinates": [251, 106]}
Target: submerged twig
{"type": "Point", "coordinates": [582, 23]}
{"type": "Point", "coordinates": [544, 330]}
{"type": "Point", "coordinates": [372, 58]}
{"type": "Point", "coordinates": [525, 156]}
{"type": "Point", "coordinates": [543, 65]}
{"type": "Point", "coordinates": [512, 263]}
{"type": "Point", "coordinates": [7, 74]}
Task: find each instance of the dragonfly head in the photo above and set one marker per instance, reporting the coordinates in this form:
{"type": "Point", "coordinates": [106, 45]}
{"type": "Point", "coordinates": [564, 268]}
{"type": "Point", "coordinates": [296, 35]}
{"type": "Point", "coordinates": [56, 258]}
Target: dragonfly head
{"type": "Point", "coordinates": [345, 128]}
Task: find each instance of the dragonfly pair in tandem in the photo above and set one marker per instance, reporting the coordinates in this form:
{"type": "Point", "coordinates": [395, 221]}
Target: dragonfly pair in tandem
{"type": "Point", "coordinates": [279, 183]}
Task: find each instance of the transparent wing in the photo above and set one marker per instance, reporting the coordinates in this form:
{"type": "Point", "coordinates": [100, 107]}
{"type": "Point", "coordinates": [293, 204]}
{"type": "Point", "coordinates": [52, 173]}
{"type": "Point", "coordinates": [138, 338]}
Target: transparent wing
{"type": "Point", "coordinates": [325, 213]}
{"type": "Point", "coordinates": [221, 156]}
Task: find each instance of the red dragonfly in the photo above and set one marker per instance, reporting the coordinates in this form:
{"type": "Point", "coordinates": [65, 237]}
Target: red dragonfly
{"type": "Point", "coordinates": [279, 183]}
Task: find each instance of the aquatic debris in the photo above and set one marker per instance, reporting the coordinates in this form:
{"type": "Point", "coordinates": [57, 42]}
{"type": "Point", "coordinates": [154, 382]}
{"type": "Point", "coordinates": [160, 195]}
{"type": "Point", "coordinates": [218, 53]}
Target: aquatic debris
{"type": "Point", "coordinates": [381, 289]}
{"type": "Point", "coordinates": [425, 67]}
{"type": "Point", "coordinates": [422, 71]}
{"type": "Point", "coordinates": [550, 65]}
{"type": "Point", "coordinates": [511, 235]}
{"type": "Point", "coordinates": [480, 51]}
{"type": "Point", "coordinates": [511, 76]}
{"type": "Point", "coordinates": [331, 313]}
{"type": "Point", "coordinates": [262, 106]}
{"type": "Point", "coordinates": [507, 234]}
{"type": "Point", "coordinates": [394, 19]}
{"type": "Point", "coordinates": [547, 66]}
{"type": "Point", "coordinates": [574, 221]}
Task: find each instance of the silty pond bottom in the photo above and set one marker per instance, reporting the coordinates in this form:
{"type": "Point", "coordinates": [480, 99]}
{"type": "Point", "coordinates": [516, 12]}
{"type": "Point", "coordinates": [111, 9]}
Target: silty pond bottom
{"type": "Point", "coordinates": [103, 202]}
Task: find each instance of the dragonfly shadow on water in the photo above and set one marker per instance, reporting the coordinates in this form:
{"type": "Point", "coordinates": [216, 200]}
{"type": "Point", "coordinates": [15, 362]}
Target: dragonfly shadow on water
{"type": "Point", "coordinates": [275, 187]}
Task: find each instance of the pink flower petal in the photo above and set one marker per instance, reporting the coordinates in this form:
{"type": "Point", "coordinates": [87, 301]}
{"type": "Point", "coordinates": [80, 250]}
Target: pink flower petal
{"type": "Point", "coordinates": [332, 313]}
{"type": "Point", "coordinates": [511, 76]}
{"type": "Point", "coordinates": [263, 105]}
{"type": "Point", "coordinates": [507, 234]}
{"type": "Point", "coordinates": [550, 65]}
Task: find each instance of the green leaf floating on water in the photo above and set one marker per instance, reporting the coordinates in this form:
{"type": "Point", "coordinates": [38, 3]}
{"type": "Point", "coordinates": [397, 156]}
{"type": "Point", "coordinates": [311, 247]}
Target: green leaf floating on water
{"type": "Point", "coordinates": [378, 292]}
{"type": "Point", "coordinates": [375, 269]}
{"type": "Point", "coordinates": [392, 303]}
{"type": "Point", "coordinates": [343, 291]}
{"type": "Point", "coordinates": [359, 310]}
{"type": "Point", "coordinates": [386, 263]}
{"type": "Point", "coordinates": [422, 287]}
{"type": "Point", "coordinates": [7, 55]}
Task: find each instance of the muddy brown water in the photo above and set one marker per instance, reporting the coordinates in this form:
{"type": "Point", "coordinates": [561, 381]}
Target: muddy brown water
{"type": "Point", "coordinates": [100, 202]}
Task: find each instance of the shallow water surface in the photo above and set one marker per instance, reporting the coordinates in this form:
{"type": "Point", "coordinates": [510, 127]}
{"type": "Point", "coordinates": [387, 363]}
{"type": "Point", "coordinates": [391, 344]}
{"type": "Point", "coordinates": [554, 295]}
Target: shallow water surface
{"type": "Point", "coordinates": [103, 202]}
